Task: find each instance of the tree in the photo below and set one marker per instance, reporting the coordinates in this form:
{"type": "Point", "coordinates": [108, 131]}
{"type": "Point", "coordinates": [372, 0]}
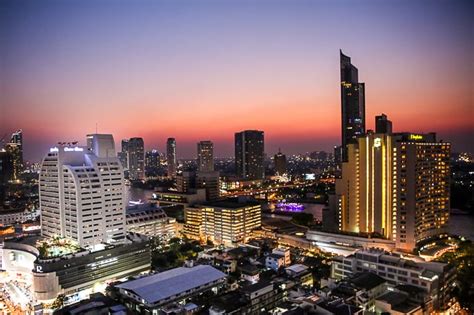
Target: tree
{"type": "Point", "coordinates": [302, 218]}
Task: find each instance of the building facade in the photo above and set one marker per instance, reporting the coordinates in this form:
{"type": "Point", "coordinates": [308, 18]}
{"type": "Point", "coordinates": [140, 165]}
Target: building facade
{"type": "Point", "coordinates": [171, 157]}
{"type": "Point", "coordinates": [249, 154]}
{"type": "Point", "coordinates": [81, 193]}
{"type": "Point", "coordinates": [229, 222]}
{"type": "Point", "coordinates": [352, 103]}
{"type": "Point", "coordinates": [280, 163]}
{"type": "Point", "coordinates": [433, 278]}
{"type": "Point", "coordinates": [136, 159]}
{"type": "Point", "coordinates": [205, 156]}
{"type": "Point", "coordinates": [395, 186]}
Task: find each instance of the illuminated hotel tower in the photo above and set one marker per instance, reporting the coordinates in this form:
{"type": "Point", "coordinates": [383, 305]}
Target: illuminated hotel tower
{"type": "Point", "coordinates": [352, 104]}
{"type": "Point", "coordinates": [15, 149]}
{"type": "Point", "coordinates": [171, 156]}
{"type": "Point", "coordinates": [396, 185]}
{"type": "Point", "coordinates": [81, 192]}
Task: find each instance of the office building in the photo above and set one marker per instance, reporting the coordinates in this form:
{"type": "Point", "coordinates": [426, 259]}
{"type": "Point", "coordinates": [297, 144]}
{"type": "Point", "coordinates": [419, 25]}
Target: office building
{"type": "Point", "coordinates": [382, 124]}
{"type": "Point", "coordinates": [433, 278]}
{"type": "Point", "coordinates": [280, 163]}
{"type": "Point", "coordinates": [230, 221]}
{"type": "Point", "coordinates": [352, 104]}
{"type": "Point", "coordinates": [171, 157]}
{"type": "Point", "coordinates": [210, 181]}
{"type": "Point", "coordinates": [249, 154]}
{"type": "Point", "coordinates": [81, 192]}
{"type": "Point", "coordinates": [186, 182]}
{"type": "Point", "coordinates": [172, 289]}
{"type": "Point", "coordinates": [152, 162]}
{"type": "Point", "coordinates": [123, 154]}
{"type": "Point", "coordinates": [205, 156]}
{"type": "Point", "coordinates": [395, 186]}
{"type": "Point", "coordinates": [193, 222]}
{"type": "Point", "coordinates": [136, 159]}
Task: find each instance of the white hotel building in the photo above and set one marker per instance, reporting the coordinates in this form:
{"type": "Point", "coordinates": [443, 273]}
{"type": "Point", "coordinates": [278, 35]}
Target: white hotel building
{"type": "Point", "coordinates": [81, 192]}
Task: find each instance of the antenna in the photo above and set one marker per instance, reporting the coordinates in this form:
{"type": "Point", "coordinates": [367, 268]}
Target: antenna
{"type": "Point", "coordinates": [96, 128]}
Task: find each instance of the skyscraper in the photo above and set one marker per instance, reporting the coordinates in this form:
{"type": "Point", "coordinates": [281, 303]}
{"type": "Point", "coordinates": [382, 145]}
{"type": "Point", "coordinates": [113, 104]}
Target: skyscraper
{"type": "Point", "coordinates": [396, 185]}
{"type": "Point", "coordinates": [352, 104]}
{"type": "Point", "coordinates": [171, 157]}
{"type": "Point", "coordinates": [280, 163]}
{"type": "Point", "coordinates": [249, 154]}
{"type": "Point", "coordinates": [205, 156]}
{"type": "Point", "coordinates": [82, 194]}
{"type": "Point", "coordinates": [123, 154]}
{"type": "Point", "coordinates": [136, 159]}
{"type": "Point", "coordinates": [15, 150]}
{"type": "Point", "coordinates": [152, 161]}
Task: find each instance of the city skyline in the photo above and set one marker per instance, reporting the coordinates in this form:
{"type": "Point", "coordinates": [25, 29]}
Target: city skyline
{"type": "Point", "coordinates": [160, 83]}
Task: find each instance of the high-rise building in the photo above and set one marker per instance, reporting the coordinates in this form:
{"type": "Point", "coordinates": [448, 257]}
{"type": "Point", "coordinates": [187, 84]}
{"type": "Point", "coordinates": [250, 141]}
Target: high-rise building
{"type": "Point", "coordinates": [280, 163]}
{"type": "Point", "coordinates": [171, 157]}
{"type": "Point", "coordinates": [123, 154]}
{"type": "Point", "coordinates": [382, 124]}
{"type": "Point", "coordinates": [81, 193]}
{"type": "Point", "coordinates": [152, 159]}
{"type": "Point", "coordinates": [6, 167]}
{"type": "Point", "coordinates": [249, 154]}
{"type": "Point", "coordinates": [185, 182]}
{"type": "Point", "coordinates": [136, 159]}
{"type": "Point", "coordinates": [396, 185]}
{"type": "Point", "coordinates": [15, 150]}
{"type": "Point", "coordinates": [352, 103]}
{"type": "Point", "coordinates": [205, 156]}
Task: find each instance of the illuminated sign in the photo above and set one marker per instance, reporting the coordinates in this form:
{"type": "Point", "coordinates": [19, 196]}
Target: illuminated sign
{"type": "Point", "coordinates": [55, 149]}
{"type": "Point", "coordinates": [416, 137]}
{"type": "Point", "coordinates": [77, 149]}
{"type": "Point", "coordinates": [377, 142]}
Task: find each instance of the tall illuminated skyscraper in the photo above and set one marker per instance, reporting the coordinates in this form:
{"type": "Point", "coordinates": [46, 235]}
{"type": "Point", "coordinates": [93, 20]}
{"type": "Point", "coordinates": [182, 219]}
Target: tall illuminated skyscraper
{"type": "Point", "coordinates": [81, 192]}
{"type": "Point", "coordinates": [205, 156]}
{"type": "Point", "coordinates": [171, 157]}
{"type": "Point", "coordinates": [396, 185]}
{"type": "Point", "coordinates": [136, 159]}
{"type": "Point", "coordinates": [352, 104]}
{"type": "Point", "coordinates": [249, 154]}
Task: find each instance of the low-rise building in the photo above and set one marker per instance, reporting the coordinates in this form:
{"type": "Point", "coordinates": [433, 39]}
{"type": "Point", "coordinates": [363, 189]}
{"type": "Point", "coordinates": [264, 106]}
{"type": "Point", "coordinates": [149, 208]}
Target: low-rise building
{"type": "Point", "coordinates": [300, 274]}
{"type": "Point", "coordinates": [173, 288]}
{"type": "Point", "coordinates": [432, 277]}
{"type": "Point", "coordinates": [150, 220]}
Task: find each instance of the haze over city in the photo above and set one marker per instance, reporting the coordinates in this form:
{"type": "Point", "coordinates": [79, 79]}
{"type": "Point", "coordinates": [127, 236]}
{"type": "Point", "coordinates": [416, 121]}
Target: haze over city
{"type": "Point", "coordinates": [205, 70]}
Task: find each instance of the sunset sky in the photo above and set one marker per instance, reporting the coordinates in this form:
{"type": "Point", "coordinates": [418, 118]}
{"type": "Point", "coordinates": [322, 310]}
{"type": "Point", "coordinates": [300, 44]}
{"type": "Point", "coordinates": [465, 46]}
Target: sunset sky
{"type": "Point", "coordinates": [202, 70]}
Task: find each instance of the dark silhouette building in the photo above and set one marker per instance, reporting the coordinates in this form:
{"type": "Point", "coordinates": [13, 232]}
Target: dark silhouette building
{"type": "Point", "coordinates": [249, 154]}
{"type": "Point", "coordinates": [171, 157]}
{"type": "Point", "coordinates": [352, 103]}
{"type": "Point", "coordinates": [382, 124]}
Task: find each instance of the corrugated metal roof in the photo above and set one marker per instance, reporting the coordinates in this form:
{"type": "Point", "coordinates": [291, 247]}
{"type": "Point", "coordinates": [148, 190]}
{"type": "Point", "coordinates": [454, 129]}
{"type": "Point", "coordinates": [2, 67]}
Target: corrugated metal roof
{"type": "Point", "coordinates": [172, 282]}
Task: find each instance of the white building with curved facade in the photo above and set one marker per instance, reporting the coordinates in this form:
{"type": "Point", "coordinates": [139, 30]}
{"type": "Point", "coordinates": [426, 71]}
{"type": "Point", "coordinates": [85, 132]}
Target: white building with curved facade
{"type": "Point", "coordinates": [81, 192]}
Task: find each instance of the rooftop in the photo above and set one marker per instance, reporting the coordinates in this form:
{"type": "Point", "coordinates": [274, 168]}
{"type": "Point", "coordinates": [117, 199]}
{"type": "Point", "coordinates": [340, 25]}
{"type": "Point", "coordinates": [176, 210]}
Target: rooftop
{"type": "Point", "coordinates": [367, 280]}
{"type": "Point", "coordinates": [231, 203]}
{"type": "Point", "coordinates": [399, 302]}
{"type": "Point", "coordinates": [166, 284]}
